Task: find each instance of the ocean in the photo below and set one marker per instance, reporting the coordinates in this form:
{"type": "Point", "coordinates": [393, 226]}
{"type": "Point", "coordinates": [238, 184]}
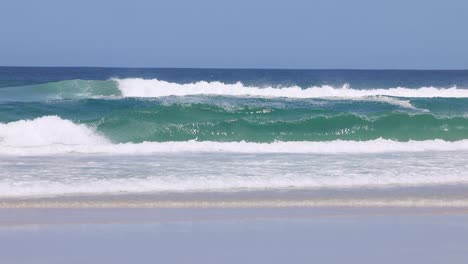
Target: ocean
{"type": "Point", "coordinates": [95, 131]}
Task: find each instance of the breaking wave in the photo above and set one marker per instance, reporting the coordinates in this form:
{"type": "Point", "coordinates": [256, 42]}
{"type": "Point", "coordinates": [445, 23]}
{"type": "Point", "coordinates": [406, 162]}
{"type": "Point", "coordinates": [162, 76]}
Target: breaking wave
{"type": "Point", "coordinates": [136, 87]}
{"type": "Point", "coordinates": [53, 135]}
{"type": "Point", "coordinates": [152, 88]}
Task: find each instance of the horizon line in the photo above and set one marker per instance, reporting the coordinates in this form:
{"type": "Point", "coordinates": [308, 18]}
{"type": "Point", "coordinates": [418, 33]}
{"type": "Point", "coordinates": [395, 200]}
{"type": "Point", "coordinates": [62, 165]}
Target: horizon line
{"type": "Point", "coordinates": [239, 68]}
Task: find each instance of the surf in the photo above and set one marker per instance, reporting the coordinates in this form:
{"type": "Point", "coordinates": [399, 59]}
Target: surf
{"type": "Point", "coordinates": [155, 88]}
{"type": "Point", "coordinates": [136, 87]}
{"type": "Point", "coordinates": [53, 135]}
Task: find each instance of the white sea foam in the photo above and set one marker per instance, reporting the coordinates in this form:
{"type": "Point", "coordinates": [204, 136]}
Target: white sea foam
{"type": "Point", "coordinates": [87, 185]}
{"type": "Point", "coordinates": [328, 147]}
{"type": "Point", "coordinates": [389, 100]}
{"type": "Point", "coordinates": [137, 87]}
{"type": "Point", "coordinates": [46, 131]}
{"type": "Point", "coordinates": [88, 174]}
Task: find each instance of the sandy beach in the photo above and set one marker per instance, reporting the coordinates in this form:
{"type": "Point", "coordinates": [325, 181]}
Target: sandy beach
{"type": "Point", "coordinates": [234, 235]}
{"type": "Point", "coordinates": [388, 225]}
{"type": "Point", "coordinates": [423, 224]}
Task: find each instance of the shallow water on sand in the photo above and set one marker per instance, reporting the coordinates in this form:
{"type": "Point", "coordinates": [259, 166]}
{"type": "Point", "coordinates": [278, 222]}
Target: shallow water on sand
{"type": "Point", "coordinates": [195, 172]}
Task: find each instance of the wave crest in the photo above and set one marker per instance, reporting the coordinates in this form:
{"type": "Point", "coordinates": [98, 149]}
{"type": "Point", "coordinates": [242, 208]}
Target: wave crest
{"type": "Point", "coordinates": [46, 131]}
{"type": "Point", "coordinates": [153, 88]}
{"type": "Point", "coordinates": [137, 87]}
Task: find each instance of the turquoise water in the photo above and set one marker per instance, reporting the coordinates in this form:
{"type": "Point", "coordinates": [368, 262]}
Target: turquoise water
{"type": "Point", "coordinates": [138, 110]}
{"type": "Point", "coordinates": [253, 119]}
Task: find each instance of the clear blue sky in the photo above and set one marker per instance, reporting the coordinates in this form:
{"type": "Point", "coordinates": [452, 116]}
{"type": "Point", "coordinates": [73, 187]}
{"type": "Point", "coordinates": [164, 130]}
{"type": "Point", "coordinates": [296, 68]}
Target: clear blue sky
{"type": "Point", "coordinates": [409, 34]}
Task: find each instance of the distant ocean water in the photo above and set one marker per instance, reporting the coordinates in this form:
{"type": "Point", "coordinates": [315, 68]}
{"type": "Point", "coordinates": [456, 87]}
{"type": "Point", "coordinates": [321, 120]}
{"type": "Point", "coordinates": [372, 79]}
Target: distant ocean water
{"type": "Point", "coordinates": [113, 130]}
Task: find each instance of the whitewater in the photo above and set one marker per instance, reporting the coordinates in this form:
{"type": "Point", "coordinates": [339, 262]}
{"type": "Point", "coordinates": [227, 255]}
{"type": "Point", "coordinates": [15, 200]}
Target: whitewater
{"type": "Point", "coordinates": [158, 88]}
{"type": "Point", "coordinates": [153, 88]}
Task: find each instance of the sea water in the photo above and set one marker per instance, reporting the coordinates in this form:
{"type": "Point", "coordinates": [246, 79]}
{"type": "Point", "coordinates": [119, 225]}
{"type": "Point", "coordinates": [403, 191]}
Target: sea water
{"type": "Point", "coordinates": [66, 131]}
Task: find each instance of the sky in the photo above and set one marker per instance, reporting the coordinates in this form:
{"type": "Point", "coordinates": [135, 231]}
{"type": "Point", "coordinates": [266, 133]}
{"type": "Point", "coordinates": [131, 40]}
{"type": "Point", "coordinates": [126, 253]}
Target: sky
{"type": "Point", "coordinates": [325, 34]}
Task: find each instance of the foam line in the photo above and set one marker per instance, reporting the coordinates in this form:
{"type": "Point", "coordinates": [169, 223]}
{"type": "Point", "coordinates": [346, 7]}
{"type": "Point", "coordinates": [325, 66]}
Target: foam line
{"type": "Point", "coordinates": [136, 87]}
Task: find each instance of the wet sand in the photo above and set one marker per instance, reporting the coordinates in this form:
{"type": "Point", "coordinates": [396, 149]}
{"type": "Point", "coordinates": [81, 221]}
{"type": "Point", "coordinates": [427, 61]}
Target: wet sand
{"type": "Point", "coordinates": [448, 196]}
{"type": "Point", "coordinates": [234, 235]}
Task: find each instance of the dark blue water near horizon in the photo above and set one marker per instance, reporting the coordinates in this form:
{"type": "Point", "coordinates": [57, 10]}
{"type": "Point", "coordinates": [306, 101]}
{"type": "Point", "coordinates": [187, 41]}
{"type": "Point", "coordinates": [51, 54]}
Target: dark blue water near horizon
{"type": "Point", "coordinates": [358, 79]}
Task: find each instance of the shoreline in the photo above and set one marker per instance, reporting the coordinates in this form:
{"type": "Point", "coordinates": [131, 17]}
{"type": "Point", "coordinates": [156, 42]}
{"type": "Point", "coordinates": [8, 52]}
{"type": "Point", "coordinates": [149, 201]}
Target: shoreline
{"type": "Point", "coordinates": [42, 217]}
{"type": "Point", "coordinates": [233, 206]}
{"type": "Point", "coordinates": [257, 203]}
{"type": "Point", "coordinates": [450, 196]}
